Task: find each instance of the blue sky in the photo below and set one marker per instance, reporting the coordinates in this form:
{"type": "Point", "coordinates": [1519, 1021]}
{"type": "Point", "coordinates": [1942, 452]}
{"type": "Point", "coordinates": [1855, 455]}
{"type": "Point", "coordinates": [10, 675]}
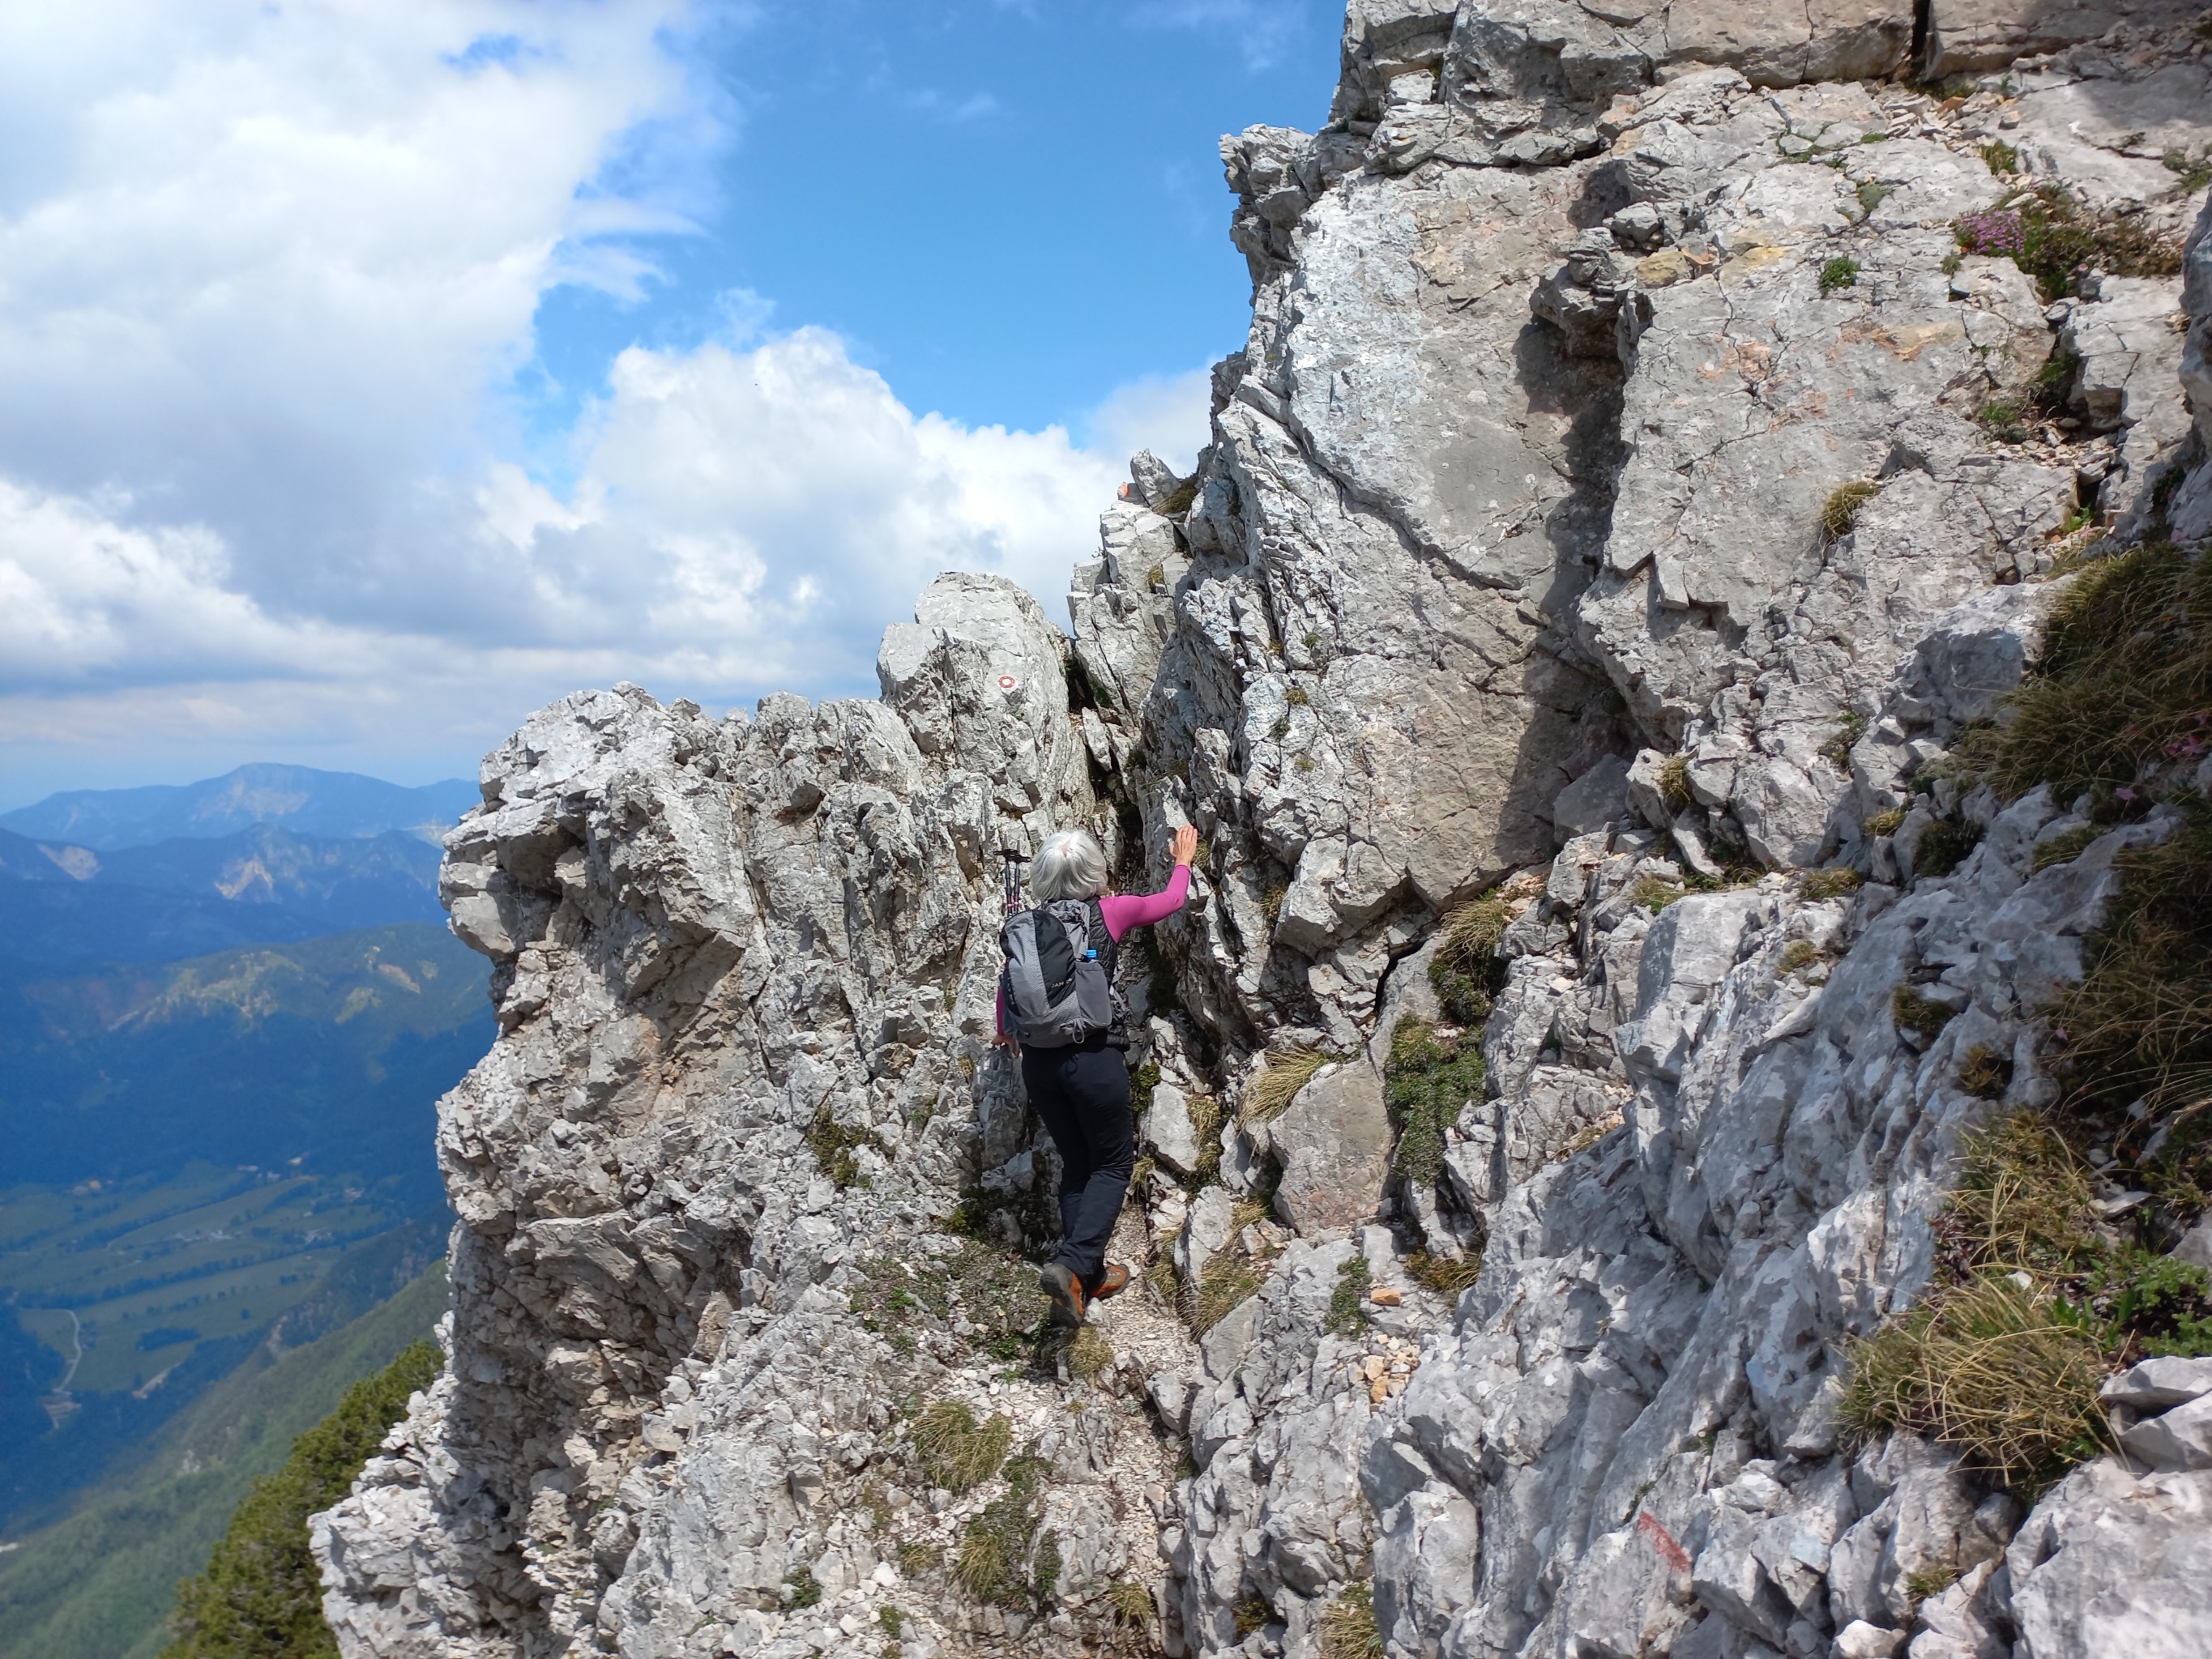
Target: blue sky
{"type": "Point", "coordinates": [1010, 210]}
{"type": "Point", "coordinates": [382, 373]}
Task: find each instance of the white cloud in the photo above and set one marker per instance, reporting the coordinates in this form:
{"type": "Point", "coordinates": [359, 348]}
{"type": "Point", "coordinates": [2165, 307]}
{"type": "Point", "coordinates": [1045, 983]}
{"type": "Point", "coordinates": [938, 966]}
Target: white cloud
{"type": "Point", "coordinates": [264, 276]}
{"type": "Point", "coordinates": [1172, 416]}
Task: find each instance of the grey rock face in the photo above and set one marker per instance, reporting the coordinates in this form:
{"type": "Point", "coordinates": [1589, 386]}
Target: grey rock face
{"type": "Point", "coordinates": [1567, 331]}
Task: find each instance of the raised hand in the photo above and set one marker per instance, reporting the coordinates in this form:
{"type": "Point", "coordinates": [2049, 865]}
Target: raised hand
{"type": "Point", "coordinates": [1185, 845]}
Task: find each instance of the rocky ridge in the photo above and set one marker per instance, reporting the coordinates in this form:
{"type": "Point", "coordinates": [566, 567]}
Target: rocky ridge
{"type": "Point", "coordinates": [1524, 562]}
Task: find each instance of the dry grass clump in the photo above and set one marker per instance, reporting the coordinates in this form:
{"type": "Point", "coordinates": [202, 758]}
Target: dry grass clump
{"type": "Point", "coordinates": [1465, 970]}
{"type": "Point", "coordinates": [1841, 510]}
{"type": "Point", "coordinates": [2023, 1201]}
{"type": "Point", "coordinates": [1089, 1356]}
{"type": "Point", "coordinates": [2137, 1026]}
{"type": "Point", "coordinates": [1268, 1096]}
{"type": "Point", "coordinates": [2006, 1372]}
{"type": "Point", "coordinates": [1886, 824]}
{"type": "Point", "coordinates": [1472, 930]}
{"type": "Point", "coordinates": [1674, 781]}
{"type": "Point", "coordinates": [1922, 1016]}
{"type": "Point", "coordinates": [955, 1452]}
{"type": "Point", "coordinates": [1798, 954]}
{"type": "Point", "coordinates": [1131, 1602]}
{"type": "Point", "coordinates": [1003, 1558]}
{"type": "Point", "coordinates": [1443, 1274]}
{"type": "Point", "coordinates": [1348, 1625]}
{"type": "Point", "coordinates": [1654, 894]}
{"type": "Point", "coordinates": [2125, 681]}
{"type": "Point", "coordinates": [1222, 1283]}
{"type": "Point", "coordinates": [1985, 1073]}
{"type": "Point", "coordinates": [1831, 884]}
{"type": "Point", "coordinates": [2064, 847]}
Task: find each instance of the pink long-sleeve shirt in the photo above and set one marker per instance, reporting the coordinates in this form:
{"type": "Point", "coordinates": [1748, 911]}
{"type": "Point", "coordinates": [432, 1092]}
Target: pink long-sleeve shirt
{"type": "Point", "coordinates": [1122, 911]}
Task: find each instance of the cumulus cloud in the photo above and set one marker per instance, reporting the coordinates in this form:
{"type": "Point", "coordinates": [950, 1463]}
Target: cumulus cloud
{"type": "Point", "coordinates": [265, 280]}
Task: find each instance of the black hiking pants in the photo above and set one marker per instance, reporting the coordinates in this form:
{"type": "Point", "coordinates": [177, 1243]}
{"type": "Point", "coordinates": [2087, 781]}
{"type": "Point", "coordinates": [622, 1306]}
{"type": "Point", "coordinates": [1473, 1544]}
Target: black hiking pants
{"type": "Point", "coordinates": [1082, 1094]}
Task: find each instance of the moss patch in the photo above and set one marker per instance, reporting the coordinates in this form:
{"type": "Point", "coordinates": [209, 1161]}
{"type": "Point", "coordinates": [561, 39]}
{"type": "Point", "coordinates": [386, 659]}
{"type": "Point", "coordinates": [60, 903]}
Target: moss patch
{"type": "Point", "coordinates": [837, 1147]}
{"type": "Point", "coordinates": [1426, 1081]}
{"type": "Point", "coordinates": [1347, 1313]}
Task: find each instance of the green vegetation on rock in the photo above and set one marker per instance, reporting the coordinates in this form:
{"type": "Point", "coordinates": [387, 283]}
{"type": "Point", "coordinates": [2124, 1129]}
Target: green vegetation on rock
{"type": "Point", "coordinates": [261, 1597]}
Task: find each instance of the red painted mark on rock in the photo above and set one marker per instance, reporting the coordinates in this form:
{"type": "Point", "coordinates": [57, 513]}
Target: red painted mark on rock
{"type": "Point", "coordinates": [1662, 1541]}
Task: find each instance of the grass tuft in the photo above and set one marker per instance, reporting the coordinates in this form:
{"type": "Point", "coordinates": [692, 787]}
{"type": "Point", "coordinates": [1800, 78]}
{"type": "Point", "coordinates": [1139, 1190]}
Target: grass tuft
{"type": "Point", "coordinates": [1922, 1015]}
{"type": "Point", "coordinates": [1831, 884]}
{"type": "Point", "coordinates": [1131, 1602]}
{"type": "Point", "coordinates": [1269, 1095]}
{"type": "Point", "coordinates": [1089, 1356]}
{"type": "Point", "coordinates": [806, 1587]}
{"type": "Point", "coordinates": [1466, 971]}
{"type": "Point", "coordinates": [1222, 1283]}
{"type": "Point", "coordinates": [1841, 510]}
{"type": "Point", "coordinates": [1654, 894]}
{"type": "Point", "coordinates": [1839, 272]}
{"type": "Point", "coordinates": [2008, 1374]}
{"type": "Point", "coordinates": [1443, 1274]}
{"type": "Point", "coordinates": [1944, 848]}
{"type": "Point", "coordinates": [957, 1452]}
{"type": "Point", "coordinates": [2125, 681]}
{"type": "Point", "coordinates": [1003, 1559]}
{"type": "Point", "coordinates": [1251, 1614]}
{"type": "Point", "coordinates": [1985, 1073]}
{"type": "Point", "coordinates": [2001, 158]}
{"type": "Point", "coordinates": [2065, 847]}
{"type": "Point", "coordinates": [1674, 781]}
{"type": "Point", "coordinates": [1348, 1625]}
{"type": "Point", "coordinates": [1798, 954]}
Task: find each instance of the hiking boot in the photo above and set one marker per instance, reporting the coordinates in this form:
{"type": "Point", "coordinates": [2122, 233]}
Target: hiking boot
{"type": "Point", "coordinates": [1065, 1288]}
{"type": "Point", "coordinates": [1112, 1279]}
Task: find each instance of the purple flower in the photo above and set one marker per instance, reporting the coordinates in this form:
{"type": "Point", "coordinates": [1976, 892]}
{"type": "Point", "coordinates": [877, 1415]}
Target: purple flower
{"type": "Point", "coordinates": [2123, 793]}
{"type": "Point", "coordinates": [1990, 232]}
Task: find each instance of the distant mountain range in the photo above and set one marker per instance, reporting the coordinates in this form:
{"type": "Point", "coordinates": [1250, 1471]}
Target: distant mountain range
{"type": "Point", "coordinates": [266, 854]}
{"type": "Point", "coordinates": [226, 1013]}
{"type": "Point", "coordinates": [300, 798]}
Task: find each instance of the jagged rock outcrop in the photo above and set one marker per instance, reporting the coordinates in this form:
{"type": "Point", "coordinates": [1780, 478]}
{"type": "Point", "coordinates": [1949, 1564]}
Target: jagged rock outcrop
{"type": "Point", "coordinates": [1629, 480]}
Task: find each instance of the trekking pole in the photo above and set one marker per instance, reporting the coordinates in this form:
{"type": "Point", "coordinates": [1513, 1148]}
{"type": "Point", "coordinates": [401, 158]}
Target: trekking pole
{"type": "Point", "coordinates": [1014, 860]}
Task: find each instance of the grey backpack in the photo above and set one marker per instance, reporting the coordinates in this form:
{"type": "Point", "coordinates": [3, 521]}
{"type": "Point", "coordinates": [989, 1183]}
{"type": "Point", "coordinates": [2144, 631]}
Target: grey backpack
{"type": "Point", "coordinates": [1059, 977]}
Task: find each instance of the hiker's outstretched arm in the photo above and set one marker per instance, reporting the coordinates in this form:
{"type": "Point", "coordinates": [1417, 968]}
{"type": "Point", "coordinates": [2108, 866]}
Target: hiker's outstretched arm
{"type": "Point", "coordinates": [1123, 911]}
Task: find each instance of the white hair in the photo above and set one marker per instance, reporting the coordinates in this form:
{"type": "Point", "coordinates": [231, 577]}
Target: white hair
{"type": "Point", "coordinates": [1071, 865]}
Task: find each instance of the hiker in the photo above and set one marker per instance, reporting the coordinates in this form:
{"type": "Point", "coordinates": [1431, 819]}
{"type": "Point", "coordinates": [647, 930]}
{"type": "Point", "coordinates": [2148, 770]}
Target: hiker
{"type": "Point", "coordinates": [1072, 1061]}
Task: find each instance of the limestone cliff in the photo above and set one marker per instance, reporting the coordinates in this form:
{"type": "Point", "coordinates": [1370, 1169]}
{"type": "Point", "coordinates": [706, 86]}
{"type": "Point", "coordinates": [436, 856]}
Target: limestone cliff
{"type": "Point", "coordinates": [1650, 455]}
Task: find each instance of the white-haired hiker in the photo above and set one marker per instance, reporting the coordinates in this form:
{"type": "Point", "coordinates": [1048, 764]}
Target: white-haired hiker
{"type": "Point", "coordinates": [1080, 1088]}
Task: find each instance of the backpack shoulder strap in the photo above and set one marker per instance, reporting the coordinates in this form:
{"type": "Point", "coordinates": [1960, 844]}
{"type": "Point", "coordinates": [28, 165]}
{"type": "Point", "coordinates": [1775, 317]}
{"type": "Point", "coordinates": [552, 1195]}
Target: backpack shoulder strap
{"type": "Point", "coordinates": [1102, 937]}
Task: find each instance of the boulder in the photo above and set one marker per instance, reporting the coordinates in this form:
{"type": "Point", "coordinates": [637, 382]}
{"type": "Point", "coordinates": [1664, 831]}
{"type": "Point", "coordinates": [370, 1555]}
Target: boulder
{"type": "Point", "coordinates": [1333, 1144]}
